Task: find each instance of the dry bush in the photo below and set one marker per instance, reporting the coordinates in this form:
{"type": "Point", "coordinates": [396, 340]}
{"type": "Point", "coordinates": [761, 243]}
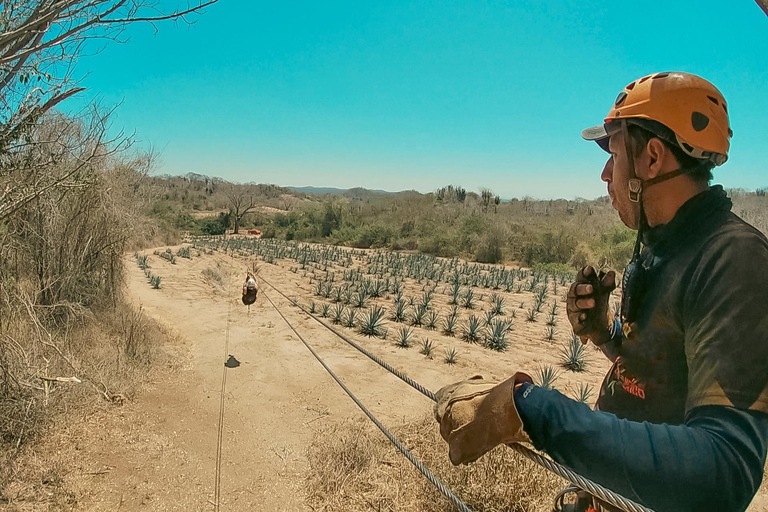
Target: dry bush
{"type": "Point", "coordinates": [111, 352]}
{"type": "Point", "coordinates": [354, 467]}
{"type": "Point", "coordinates": [215, 276]}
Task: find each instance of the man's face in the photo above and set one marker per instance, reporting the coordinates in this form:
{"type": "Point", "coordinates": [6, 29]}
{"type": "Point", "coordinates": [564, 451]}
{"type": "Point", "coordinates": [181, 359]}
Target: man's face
{"type": "Point", "coordinates": [616, 176]}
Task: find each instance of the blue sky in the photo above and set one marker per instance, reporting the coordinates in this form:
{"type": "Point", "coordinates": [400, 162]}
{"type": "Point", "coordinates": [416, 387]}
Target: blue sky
{"type": "Point", "coordinates": [415, 95]}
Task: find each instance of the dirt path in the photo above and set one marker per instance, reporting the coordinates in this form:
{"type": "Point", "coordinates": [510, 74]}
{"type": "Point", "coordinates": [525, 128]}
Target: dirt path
{"type": "Point", "coordinates": [159, 452]}
{"type": "Point", "coordinates": [275, 400]}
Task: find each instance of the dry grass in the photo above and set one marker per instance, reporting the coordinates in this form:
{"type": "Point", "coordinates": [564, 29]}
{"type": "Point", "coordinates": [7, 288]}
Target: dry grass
{"type": "Point", "coordinates": [354, 467]}
{"type": "Point", "coordinates": [215, 276]}
{"type": "Point", "coordinates": [112, 353]}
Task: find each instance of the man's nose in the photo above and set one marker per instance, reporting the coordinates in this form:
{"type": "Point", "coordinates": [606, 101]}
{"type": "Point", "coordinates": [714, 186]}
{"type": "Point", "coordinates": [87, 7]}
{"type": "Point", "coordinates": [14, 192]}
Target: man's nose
{"type": "Point", "coordinates": [607, 174]}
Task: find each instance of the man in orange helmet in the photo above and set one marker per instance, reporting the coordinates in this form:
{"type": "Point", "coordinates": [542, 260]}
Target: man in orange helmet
{"type": "Point", "coordinates": [681, 422]}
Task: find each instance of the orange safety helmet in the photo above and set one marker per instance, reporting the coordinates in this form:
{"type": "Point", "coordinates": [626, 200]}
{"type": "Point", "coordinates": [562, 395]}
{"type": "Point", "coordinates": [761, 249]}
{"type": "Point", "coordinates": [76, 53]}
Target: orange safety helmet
{"type": "Point", "coordinates": [686, 104]}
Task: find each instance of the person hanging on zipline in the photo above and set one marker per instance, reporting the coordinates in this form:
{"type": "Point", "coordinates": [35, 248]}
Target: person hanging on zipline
{"type": "Point", "coordinates": [250, 289]}
{"type": "Point", "coordinates": [681, 421]}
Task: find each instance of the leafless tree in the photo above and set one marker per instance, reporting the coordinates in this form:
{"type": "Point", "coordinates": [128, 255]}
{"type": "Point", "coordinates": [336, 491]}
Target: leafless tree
{"type": "Point", "coordinates": [288, 202]}
{"type": "Point", "coordinates": [241, 199]}
{"type": "Point", "coordinates": [40, 42]}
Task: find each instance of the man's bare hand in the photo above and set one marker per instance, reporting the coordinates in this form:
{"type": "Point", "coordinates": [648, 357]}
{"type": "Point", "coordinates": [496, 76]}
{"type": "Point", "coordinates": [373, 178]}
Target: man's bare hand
{"type": "Point", "coordinates": [587, 304]}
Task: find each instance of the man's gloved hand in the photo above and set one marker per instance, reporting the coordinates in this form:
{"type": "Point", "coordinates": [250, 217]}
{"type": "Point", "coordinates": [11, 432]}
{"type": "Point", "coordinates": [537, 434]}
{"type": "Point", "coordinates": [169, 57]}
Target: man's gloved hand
{"type": "Point", "coordinates": [477, 415]}
{"type": "Point", "coordinates": [587, 305]}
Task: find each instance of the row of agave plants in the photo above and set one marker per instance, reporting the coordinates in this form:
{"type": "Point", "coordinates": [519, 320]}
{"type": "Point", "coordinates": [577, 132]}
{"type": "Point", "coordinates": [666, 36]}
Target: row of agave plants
{"type": "Point", "coordinates": [371, 322]}
{"type": "Point", "coordinates": [143, 263]}
{"type": "Point", "coordinates": [351, 280]}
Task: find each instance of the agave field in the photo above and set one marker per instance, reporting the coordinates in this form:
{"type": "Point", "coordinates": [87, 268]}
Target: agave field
{"type": "Point", "coordinates": [419, 300]}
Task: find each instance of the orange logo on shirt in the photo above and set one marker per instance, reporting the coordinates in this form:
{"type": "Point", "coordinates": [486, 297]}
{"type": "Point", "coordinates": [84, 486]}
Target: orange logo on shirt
{"type": "Point", "coordinates": [628, 383]}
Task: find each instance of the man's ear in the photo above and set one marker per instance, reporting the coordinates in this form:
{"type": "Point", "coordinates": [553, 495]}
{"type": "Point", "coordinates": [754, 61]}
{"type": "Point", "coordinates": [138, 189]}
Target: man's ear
{"type": "Point", "coordinates": [656, 153]}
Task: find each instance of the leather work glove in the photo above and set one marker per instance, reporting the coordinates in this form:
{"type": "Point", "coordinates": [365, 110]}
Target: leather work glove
{"type": "Point", "coordinates": [587, 305]}
{"type": "Point", "coordinates": [477, 415]}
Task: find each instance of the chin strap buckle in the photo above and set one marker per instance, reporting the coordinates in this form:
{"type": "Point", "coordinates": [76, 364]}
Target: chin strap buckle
{"type": "Point", "coordinates": [635, 188]}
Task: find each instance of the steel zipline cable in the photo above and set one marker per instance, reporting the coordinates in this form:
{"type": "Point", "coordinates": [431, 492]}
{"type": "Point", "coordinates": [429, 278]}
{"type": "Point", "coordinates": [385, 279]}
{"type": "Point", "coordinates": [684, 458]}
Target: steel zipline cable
{"type": "Point", "coordinates": [591, 487]}
{"type": "Point", "coordinates": [220, 437]}
{"type": "Point", "coordinates": [405, 451]}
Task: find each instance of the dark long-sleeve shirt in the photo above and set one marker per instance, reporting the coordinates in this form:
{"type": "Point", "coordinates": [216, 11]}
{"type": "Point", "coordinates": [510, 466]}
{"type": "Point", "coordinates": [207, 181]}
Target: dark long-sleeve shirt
{"type": "Point", "coordinates": [683, 413]}
{"type": "Point", "coordinates": [712, 462]}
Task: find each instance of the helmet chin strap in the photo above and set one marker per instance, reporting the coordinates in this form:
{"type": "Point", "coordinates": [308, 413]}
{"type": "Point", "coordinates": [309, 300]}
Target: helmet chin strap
{"type": "Point", "coordinates": [635, 189]}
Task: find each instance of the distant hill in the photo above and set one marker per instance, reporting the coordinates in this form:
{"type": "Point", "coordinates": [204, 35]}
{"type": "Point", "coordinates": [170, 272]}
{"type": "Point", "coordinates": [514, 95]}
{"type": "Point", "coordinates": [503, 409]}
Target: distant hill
{"type": "Point", "coordinates": [321, 191]}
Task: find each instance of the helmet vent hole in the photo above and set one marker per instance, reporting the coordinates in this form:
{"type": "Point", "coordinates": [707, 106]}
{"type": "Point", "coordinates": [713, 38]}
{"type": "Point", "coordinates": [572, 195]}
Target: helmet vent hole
{"type": "Point", "coordinates": [661, 75]}
{"type": "Point", "coordinates": [630, 86]}
{"type": "Point", "coordinates": [725, 107]}
{"type": "Point", "coordinates": [713, 100]}
{"type": "Point", "coordinates": [699, 121]}
{"type": "Point", "coordinates": [620, 98]}
{"type": "Point", "coordinates": [644, 79]}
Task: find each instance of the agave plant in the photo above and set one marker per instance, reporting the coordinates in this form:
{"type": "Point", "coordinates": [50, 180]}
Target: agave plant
{"type": "Point", "coordinates": [583, 392]}
{"type": "Point", "coordinates": [426, 299]}
{"type": "Point", "coordinates": [312, 307]}
{"type": "Point", "coordinates": [427, 347]}
{"type": "Point", "coordinates": [449, 325]}
{"type": "Point", "coordinates": [351, 319]}
{"type": "Point", "coordinates": [430, 320]}
{"type": "Point", "coordinates": [400, 311]}
{"type": "Point", "coordinates": [451, 356]}
{"type": "Point", "coordinates": [531, 316]}
{"type": "Point", "coordinates": [497, 304]}
{"type": "Point", "coordinates": [419, 313]}
{"type": "Point", "coordinates": [348, 295]}
{"type": "Point", "coordinates": [337, 313]}
{"type": "Point", "coordinates": [471, 330]}
{"type": "Point", "coordinates": [372, 322]}
{"type": "Point", "coordinates": [496, 335]}
{"type": "Point", "coordinates": [403, 337]}
{"type": "Point", "coordinates": [550, 332]}
{"type": "Point", "coordinates": [455, 293]}
{"type": "Point", "coordinates": [325, 310]}
{"type": "Point", "coordinates": [551, 319]}
{"type": "Point", "coordinates": [545, 376]}
{"type": "Point", "coordinates": [377, 289]}
{"type": "Point", "coordinates": [468, 299]}
{"type": "Point", "coordinates": [489, 316]}
{"type": "Point", "coordinates": [573, 355]}
{"type": "Point", "coordinates": [338, 295]}
{"type": "Point", "coordinates": [361, 297]}
{"type": "Point", "coordinates": [155, 281]}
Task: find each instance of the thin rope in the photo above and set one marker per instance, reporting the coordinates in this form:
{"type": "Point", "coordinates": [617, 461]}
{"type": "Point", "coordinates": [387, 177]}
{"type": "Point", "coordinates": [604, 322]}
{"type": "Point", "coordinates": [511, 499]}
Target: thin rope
{"type": "Point", "coordinates": [593, 488]}
{"type": "Point", "coordinates": [405, 451]}
{"type": "Point", "coordinates": [217, 485]}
